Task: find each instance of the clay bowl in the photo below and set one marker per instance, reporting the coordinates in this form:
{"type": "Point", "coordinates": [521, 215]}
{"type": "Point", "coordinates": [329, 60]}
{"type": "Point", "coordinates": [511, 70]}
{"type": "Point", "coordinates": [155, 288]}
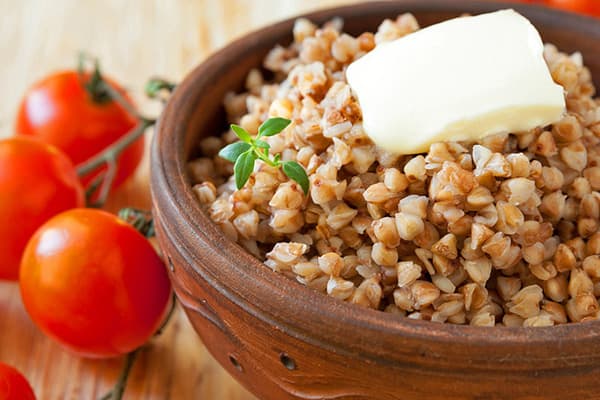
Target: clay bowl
{"type": "Point", "coordinates": [284, 341]}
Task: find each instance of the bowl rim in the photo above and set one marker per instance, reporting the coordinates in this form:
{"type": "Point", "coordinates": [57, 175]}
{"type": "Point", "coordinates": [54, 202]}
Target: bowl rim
{"type": "Point", "coordinates": [174, 200]}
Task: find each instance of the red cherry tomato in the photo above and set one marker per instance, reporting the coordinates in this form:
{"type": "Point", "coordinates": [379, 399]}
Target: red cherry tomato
{"type": "Point", "coordinates": [59, 110]}
{"type": "Point", "coordinates": [93, 283]}
{"type": "Point", "coordinates": [13, 385]}
{"type": "Point", "coordinates": [37, 181]}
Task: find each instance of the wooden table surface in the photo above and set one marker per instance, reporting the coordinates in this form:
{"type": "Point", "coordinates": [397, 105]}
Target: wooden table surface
{"type": "Point", "coordinates": [134, 39]}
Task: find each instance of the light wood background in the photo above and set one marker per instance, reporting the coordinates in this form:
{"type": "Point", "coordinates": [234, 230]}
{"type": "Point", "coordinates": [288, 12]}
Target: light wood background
{"type": "Point", "coordinates": [134, 39]}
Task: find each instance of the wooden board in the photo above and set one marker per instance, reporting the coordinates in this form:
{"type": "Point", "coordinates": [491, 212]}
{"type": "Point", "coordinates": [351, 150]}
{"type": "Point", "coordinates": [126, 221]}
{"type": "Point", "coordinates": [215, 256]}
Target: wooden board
{"type": "Point", "coordinates": [134, 39]}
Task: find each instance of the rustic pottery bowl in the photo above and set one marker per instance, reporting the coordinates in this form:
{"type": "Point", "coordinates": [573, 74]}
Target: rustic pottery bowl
{"type": "Point", "coordinates": [284, 341]}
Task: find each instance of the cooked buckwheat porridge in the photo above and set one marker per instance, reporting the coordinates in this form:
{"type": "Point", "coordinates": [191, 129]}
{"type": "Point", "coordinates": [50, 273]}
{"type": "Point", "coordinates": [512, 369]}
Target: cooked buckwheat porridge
{"type": "Point", "coordinates": [504, 231]}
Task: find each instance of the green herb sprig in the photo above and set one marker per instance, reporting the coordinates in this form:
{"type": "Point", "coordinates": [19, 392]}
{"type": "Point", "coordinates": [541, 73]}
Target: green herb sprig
{"type": "Point", "coordinates": [245, 152]}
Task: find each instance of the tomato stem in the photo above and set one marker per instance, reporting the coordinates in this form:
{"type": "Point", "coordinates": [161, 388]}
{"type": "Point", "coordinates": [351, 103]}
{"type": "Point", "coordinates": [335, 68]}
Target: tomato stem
{"type": "Point", "coordinates": [114, 150]}
{"type": "Point", "coordinates": [123, 102]}
{"type": "Point", "coordinates": [94, 185]}
{"type": "Point", "coordinates": [93, 84]}
{"type": "Point", "coordinates": [169, 315]}
{"type": "Point", "coordinates": [117, 392]}
{"type": "Point", "coordinates": [109, 177]}
{"type": "Point", "coordinates": [141, 220]}
{"type": "Point", "coordinates": [157, 85]}
{"type": "Point", "coordinates": [109, 157]}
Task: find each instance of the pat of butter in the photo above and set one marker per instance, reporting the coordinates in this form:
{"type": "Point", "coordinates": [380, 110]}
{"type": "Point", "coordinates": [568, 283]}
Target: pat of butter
{"type": "Point", "coordinates": [462, 79]}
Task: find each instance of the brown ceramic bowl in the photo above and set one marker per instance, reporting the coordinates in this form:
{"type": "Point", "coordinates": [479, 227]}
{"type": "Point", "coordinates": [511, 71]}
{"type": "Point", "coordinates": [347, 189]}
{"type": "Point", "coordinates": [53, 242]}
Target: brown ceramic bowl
{"type": "Point", "coordinates": [284, 341]}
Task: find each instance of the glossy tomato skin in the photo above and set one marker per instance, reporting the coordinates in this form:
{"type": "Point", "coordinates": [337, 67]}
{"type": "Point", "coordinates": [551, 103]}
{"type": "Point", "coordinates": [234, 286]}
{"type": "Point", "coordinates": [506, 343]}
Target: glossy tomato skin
{"type": "Point", "coordinates": [93, 283]}
{"type": "Point", "coordinates": [589, 7]}
{"type": "Point", "coordinates": [37, 181]}
{"type": "Point", "coordinates": [13, 385]}
{"type": "Point", "coordinates": [60, 111]}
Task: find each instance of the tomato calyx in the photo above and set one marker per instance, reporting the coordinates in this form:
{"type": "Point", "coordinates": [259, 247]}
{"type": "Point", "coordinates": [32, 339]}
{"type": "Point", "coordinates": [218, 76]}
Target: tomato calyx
{"type": "Point", "coordinates": [94, 84]}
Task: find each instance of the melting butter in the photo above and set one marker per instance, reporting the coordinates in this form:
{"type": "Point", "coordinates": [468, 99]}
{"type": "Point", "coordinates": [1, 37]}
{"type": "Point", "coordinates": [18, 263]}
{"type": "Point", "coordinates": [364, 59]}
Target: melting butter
{"type": "Point", "coordinates": [462, 79]}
